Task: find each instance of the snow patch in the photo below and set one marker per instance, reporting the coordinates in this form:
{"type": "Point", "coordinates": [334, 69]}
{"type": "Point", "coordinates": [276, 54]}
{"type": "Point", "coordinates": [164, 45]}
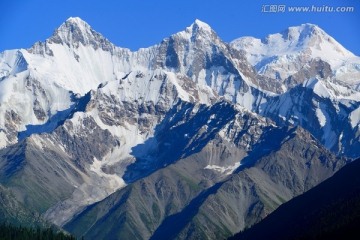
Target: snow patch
{"type": "Point", "coordinates": [224, 170]}
{"type": "Point", "coordinates": [114, 182]}
{"type": "Point", "coordinates": [355, 117]}
{"type": "Point", "coordinates": [321, 117]}
{"type": "Point", "coordinates": [3, 138]}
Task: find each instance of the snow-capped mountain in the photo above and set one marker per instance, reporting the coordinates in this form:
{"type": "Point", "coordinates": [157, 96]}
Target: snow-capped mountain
{"type": "Point", "coordinates": [317, 79]}
{"type": "Point", "coordinates": [75, 60]}
{"type": "Point", "coordinates": [327, 110]}
{"type": "Point", "coordinates": [296, 51]}
{"type": "Point", "coordinates": [77, 79]}
{"type": "Point", "coordinates": [81, 119]}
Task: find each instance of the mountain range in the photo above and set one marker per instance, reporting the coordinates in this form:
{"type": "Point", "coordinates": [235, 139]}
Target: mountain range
{"type": "Point", "coordinates": [191, 138]}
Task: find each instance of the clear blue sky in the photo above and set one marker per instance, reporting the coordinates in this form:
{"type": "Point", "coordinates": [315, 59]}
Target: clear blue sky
{"type": "Point", "coordinates": [142, 23]}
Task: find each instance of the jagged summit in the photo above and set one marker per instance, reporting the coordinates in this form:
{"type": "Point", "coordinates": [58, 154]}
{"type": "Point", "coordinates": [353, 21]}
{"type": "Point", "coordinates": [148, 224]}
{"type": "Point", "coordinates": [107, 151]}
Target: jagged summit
{"type": "Point", "coordinates": [198, 29]}
{"type": "Point", "coordinates": [76, 20]}
{"type": "Point", "coordinates": [196, 48]}
{"type": "Point", "coordinates": [198, 24]}
{"type": "Point", "coordinates": [75, 31]}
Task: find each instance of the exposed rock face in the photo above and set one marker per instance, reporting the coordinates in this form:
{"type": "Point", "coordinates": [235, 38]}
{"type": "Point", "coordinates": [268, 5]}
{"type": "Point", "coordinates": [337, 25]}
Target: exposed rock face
{"type": "Point", "coordinates": [75, 31]}
{"type": "Point", "coordinates": [88, 142]}
{"type": "Point", "coordinates": [315, 67]}
{"type": "Point", "coordinates": [249, 195]}
{"type": "Point", "coordinates": [191, 198]}
{"type": "Point", "coordinates": [297, 51]}
{"type": "Point", "coordinates": [306, 105]}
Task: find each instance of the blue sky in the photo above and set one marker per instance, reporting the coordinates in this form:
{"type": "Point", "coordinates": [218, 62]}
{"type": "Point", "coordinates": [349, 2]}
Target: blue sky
{"type": "Point", "coordinates": [142, 23]}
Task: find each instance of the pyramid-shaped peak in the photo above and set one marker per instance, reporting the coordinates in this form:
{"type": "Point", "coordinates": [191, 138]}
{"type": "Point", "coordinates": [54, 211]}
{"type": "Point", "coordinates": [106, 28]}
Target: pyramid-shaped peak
{"type": "Point", "coordinates": [199, 28]}
{"type": "Point", "coordinates": [200, 24]}
{"type": "Point", "coordinates": [75, 31]}
{"type": "Point", "coordinates": [74, 24]}
{"type": "Point", "coordinates": [75, 20]}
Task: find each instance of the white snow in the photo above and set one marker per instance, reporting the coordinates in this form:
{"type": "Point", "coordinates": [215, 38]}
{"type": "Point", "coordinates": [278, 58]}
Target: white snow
{"type": "Point", "coordinates": [329, 136]}
{"type": "Point", "coordinates": [291, 43]}
{"type": "Point", "coordinates": [182, 93]}
{"type": "Point", "coordinates": [321, 117]}
{"type": "Point", "coordinates": [114, 182]}
{"type": "Point", "coordinates": [334, 91]}
{"type": "Point", "coordinates": [3, 139]}
{"type": "Point", "coordinates": [11, 63]}
{"type": "Point", "coordinates": [17, 96]}
{"type": "Point", "coordinates": [203, 25]}
{"type": "Point", "coordinates": [355, 117]}
{"type": "Point", "coordinates": [223, 170]}
{"type": "Point", "coordinates": [318, 87]}
{"type": "Point", "coordinates": [280, 53]}
{"type": "Point", "coordinates": [93, 67]}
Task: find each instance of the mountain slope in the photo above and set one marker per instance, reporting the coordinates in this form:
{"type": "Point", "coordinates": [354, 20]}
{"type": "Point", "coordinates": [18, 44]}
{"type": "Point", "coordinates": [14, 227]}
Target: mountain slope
{"type": "Point", "coordinates": [14, 213]}
{"type": "Point", "coordinates": [316, 92]}
{"type": "Point", "coordinates": [252, 193]}
{"type": "Point", "coordinates": [164, 204]}
{"type": "Point", "coordinates": [325, 109]}
{"type": "Point", "coordinates": [328, 211]}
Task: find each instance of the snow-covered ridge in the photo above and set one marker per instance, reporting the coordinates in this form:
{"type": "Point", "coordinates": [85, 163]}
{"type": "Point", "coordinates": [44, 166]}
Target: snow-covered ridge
{"type": "Point", "coordinates": [75, 60]}
{"type": "Point", "coordinates": [199, 25]}
{"type": "Point", "coordinates": [75, 31]}
{"type": "Point", "coordinates": [328, 89]}
{"type": "Point", "coordinates": [11, 63]}
{"type": "Point", "coordinates": [284, 54]}
{"type": "Point", "coordinates": [196, 63]}
{"type": "Point", "coordinates": [294, 40]}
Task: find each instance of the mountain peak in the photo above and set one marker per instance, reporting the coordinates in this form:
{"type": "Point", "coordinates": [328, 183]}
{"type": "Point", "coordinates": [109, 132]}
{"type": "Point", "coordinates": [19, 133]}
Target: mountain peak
{"type": "Point", "coordinates": [76, 20]}
{"type": "Point", "coordinates": [309, 26]}
{"type": "Point", "coordinates": [201, 25]}
{"type": "Point", "coordinates": [304, 31]}
{"type": "Point", "coordinates": [199, 28]}
{"type": "Point", "coordinates": [306, 38]}
{"type": "Point", "coordinates": [72, 27]}
{"type": "Point", "coordinates": [75, 31]}
{"type": "Point", "coordinates": [311, 36]}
